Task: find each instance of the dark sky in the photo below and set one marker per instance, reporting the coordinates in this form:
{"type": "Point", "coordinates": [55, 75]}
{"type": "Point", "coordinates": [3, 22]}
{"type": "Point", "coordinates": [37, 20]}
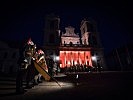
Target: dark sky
{"type": "Point", "coordinates": [22, 19]}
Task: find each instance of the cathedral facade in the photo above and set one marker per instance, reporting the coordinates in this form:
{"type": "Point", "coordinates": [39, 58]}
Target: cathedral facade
{"type": "Point", "coordinates": [71, 48]}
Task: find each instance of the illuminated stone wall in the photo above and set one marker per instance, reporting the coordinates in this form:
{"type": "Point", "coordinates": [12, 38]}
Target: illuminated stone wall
{"type": "Point", "coordinates": [70, 37]}
{"type": "Point", "coordinates": [70, 58]}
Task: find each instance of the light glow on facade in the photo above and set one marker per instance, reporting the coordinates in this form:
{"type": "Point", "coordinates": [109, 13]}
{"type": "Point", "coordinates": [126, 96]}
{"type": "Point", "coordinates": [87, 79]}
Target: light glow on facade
{"type": "Point", "coordinates": [70, 58]}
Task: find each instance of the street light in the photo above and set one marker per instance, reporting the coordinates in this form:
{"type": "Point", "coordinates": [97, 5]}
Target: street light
{"type": "Point", "coordinates": [57, 58]}
{"type": "Point", "coordinates": [94, 58]}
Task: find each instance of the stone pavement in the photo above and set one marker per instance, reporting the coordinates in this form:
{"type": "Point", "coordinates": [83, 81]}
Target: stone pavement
{"type": "Point", "coordinates": [8, 84]}
{"type": "Point", "coordinates": [96, 86]}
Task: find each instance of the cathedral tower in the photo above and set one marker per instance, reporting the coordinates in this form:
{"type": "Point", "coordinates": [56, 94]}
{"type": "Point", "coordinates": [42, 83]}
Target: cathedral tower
{"type": "Point", "coordinates": [90, 38]}
{"type": "Point", "coordinates": [51, 34]}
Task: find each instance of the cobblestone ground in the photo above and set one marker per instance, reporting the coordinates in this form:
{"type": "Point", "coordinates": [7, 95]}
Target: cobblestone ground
{"type": "Point", "coordinates": [95, 86]}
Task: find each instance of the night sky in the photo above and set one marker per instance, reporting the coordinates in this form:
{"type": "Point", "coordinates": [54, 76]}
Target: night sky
{"type": "Point", "coordinates": [22, 19]}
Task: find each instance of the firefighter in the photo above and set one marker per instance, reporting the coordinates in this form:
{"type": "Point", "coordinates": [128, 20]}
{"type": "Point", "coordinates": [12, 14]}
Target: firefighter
{"type": "Point", "coordinates": [42, 62]}
{"type": "Point", "coordinates": [31, 70]}
{"type": "Point", "coordinates": [24, 63]}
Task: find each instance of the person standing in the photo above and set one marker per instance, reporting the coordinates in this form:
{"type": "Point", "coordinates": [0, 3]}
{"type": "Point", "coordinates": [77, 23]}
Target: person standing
{"type": "Point", "coordinates": [24, 63]}
{"type": "Point", "coordinates": [31, 70]}
{"type": "Point", "coordinates": [50, 64]}
{"type": "Point", "coordinates": [40, 59]}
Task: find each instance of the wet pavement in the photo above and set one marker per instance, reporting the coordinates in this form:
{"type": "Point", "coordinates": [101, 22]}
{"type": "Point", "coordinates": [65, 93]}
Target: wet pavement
{"type": "Point", "coordinates": [94, 86]}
